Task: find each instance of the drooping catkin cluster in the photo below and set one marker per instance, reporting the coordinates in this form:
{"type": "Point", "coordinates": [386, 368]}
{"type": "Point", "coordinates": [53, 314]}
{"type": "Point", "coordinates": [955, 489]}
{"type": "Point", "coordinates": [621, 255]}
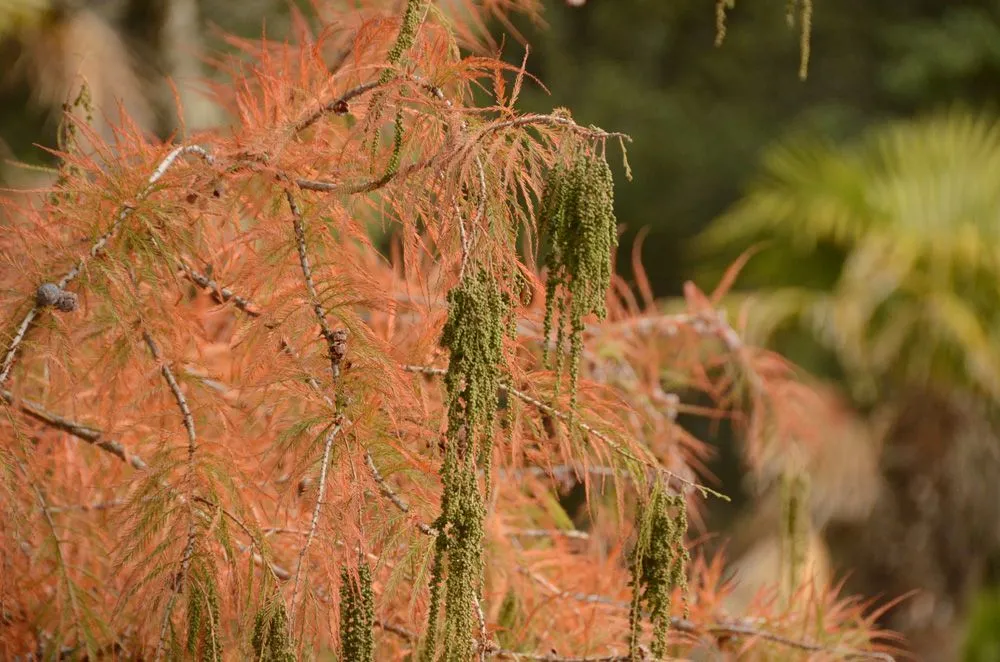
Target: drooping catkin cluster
{"type": "Point", "coordinates": [204, 634]}
{"type": "Point", "coordinates": [577, 217]}
{"type": "Point", "coordinates": [804, 8]}
{"type": "Point", "coordinates": [68, 139]}
{"type": "Point", "coordinates": [794, 527]}
{"type": "Point", "coordinates": [659, 565]}
{"type": "Point", "coordinates": [478, 319]}
{"type": "Point", "coordinates": [271, 641]}
{"type": "Point", "coordinates": [357, 615]}
{"type": "Point", "coordinates": [412, 18]}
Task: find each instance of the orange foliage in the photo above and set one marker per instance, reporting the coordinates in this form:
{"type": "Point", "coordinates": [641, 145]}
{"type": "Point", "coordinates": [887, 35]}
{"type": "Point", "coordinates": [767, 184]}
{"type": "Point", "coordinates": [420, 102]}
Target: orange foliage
{"type": "Point", "coordinates": [184, 409]}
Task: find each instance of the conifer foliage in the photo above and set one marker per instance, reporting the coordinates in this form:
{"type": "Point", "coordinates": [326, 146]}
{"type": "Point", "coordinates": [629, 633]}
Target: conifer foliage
{"type": "Point", "coordinates": [236, 427]}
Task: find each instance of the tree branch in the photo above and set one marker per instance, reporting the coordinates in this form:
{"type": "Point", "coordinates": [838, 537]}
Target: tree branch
{"type": "Point", "coordinates": [78, 430]}
{"type": "Point", "coordinates": [182, 404]}
{"type": "Point", "coordinates": [96, 249]}
{"type": "Point", "coordinates": [338, 106]}
{"type": "Point", "coordinates": [493, 650]}
{"type": "Point", "coordinates": [221, 294]}
{"type": "Point", "coordinates": [740, 629]}
{"type": "Point", "coordinates": [391, 494]}
{"type": "Point", "coordinates": [337, 347]}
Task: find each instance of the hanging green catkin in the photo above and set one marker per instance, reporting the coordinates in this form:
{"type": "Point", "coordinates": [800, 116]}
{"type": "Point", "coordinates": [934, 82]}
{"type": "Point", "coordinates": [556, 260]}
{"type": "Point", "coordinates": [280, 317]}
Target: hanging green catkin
{"type": "Point", "coordinates": [271, 641]}
{"type": "Point", "coordinates": [805, 11]}
{"type": "Point", "coordinates": [794, 528]}
{"type": "Point", "coordinates": [659, 565]}
{"type": "Point", "coordinates": [68, 140]}
{"type": "Point", "coordinates": [203, 636]}
{"type": "Point", "coordinates": [721, 7]}
{"type": "Point", "coordinates": [577, 217]}
{"type": "Point", "coordinates": [412, 17]}
{"type": "Point", "coordinates": [357, 616]}
{"type": "Point", "coordinates": [478, 319]}
{"type": "Point", "coordinates": [805, 37]}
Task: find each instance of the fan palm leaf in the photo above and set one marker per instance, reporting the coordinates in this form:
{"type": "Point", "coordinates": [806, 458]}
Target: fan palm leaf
{"type": "Point", "coordinates": [886, 251]}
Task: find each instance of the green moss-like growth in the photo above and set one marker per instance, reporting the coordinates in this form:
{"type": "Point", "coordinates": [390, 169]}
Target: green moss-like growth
{"type": "Point", "coordinates": [478, 319]}
{"type": "Point", "coordinates": [271, 641]}
{"type": "Point", "coordinates": [357, 616]}
{"type": "Point", "coordinates": [659, 565]}
{"type": "Point", "coordinates": [578, 219]}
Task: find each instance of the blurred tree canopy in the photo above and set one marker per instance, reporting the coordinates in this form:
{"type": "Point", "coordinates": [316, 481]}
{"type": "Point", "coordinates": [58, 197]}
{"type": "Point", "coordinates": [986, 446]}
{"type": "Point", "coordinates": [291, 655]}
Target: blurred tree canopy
{"type": "Point", "coordinates": [701, 116]}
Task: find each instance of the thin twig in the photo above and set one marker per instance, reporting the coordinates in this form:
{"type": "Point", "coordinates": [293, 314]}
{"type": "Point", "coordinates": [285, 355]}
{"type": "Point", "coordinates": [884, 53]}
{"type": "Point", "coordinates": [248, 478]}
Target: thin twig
{"type": "Point", "coordinates": [57, 544]}
{"type": "Point", "coordinates": [536, 119]}
{"type": "Point", "coordinates": [338, 106]}
{"type": "Point", "coordinates": [178, 587]}
{"type": "Point", "coordinates": [78, 430]}
{"type": "Point", "coordinates": [484, 641]}
{"type": "Point", "coordinates": [221, 294]}
{"type": "Point", "coordinates": [341, 188]}
{"type": "Point", "coordinates": [179, 398]}
{"type": "Point", "coordinates": [336, 345]}
{"type": "Point", "coordinates": [391, 494]}
{"type": "Point", "coordinates": [277, 572]}
{"type": "Point", "coordinates": [493, 650]}
{"type": "Point", "coordinates": [334, 339]}
{"type": "Point", "coordinates": [742, 629]}
{"type": "Point", "coordinates": [573, 534]}
{"type": "Point", "coordinates": [96, 249]}
{"type": "Point", "coordinates": [182, 405]}
{"type": "Point", "coordinates": [314, 523]}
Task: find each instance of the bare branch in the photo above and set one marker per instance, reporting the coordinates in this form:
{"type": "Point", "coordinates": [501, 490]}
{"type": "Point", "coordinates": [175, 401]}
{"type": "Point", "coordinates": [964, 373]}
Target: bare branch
{"type": "Point", "coordinates": [78, 430]}
{"type": "Point", "coordinates": [741, 629]}
{"type": "Point", "coordinates": [57, 544]}
{"type": "Point", "coordinates": [177, 588]}
{"type": "Point", "coordinates": [338, 106]}
{"type": "Point", "coordinates": [492, 650]}
{"type": "Point", "coordinates": [314, 523]}
{"type": "Point", "coordinates": [337, 347]}
{"type": "Point", "coordinates": [175, 389]}
{"type": "Point", "coordinates": [390, 494]}
{"type": "Point", "coordinates": [221, 294]}
{"type": "Point", "coordinates": [335, 340]}
{"type": "Point", "coordinates": [182, 404]}
{"type": "Point", "coordinates": [551, 533]}
{"type": "Point", "coordinates": [340, 188]}
{"type": "Point", "coordinates": [535, 119]}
